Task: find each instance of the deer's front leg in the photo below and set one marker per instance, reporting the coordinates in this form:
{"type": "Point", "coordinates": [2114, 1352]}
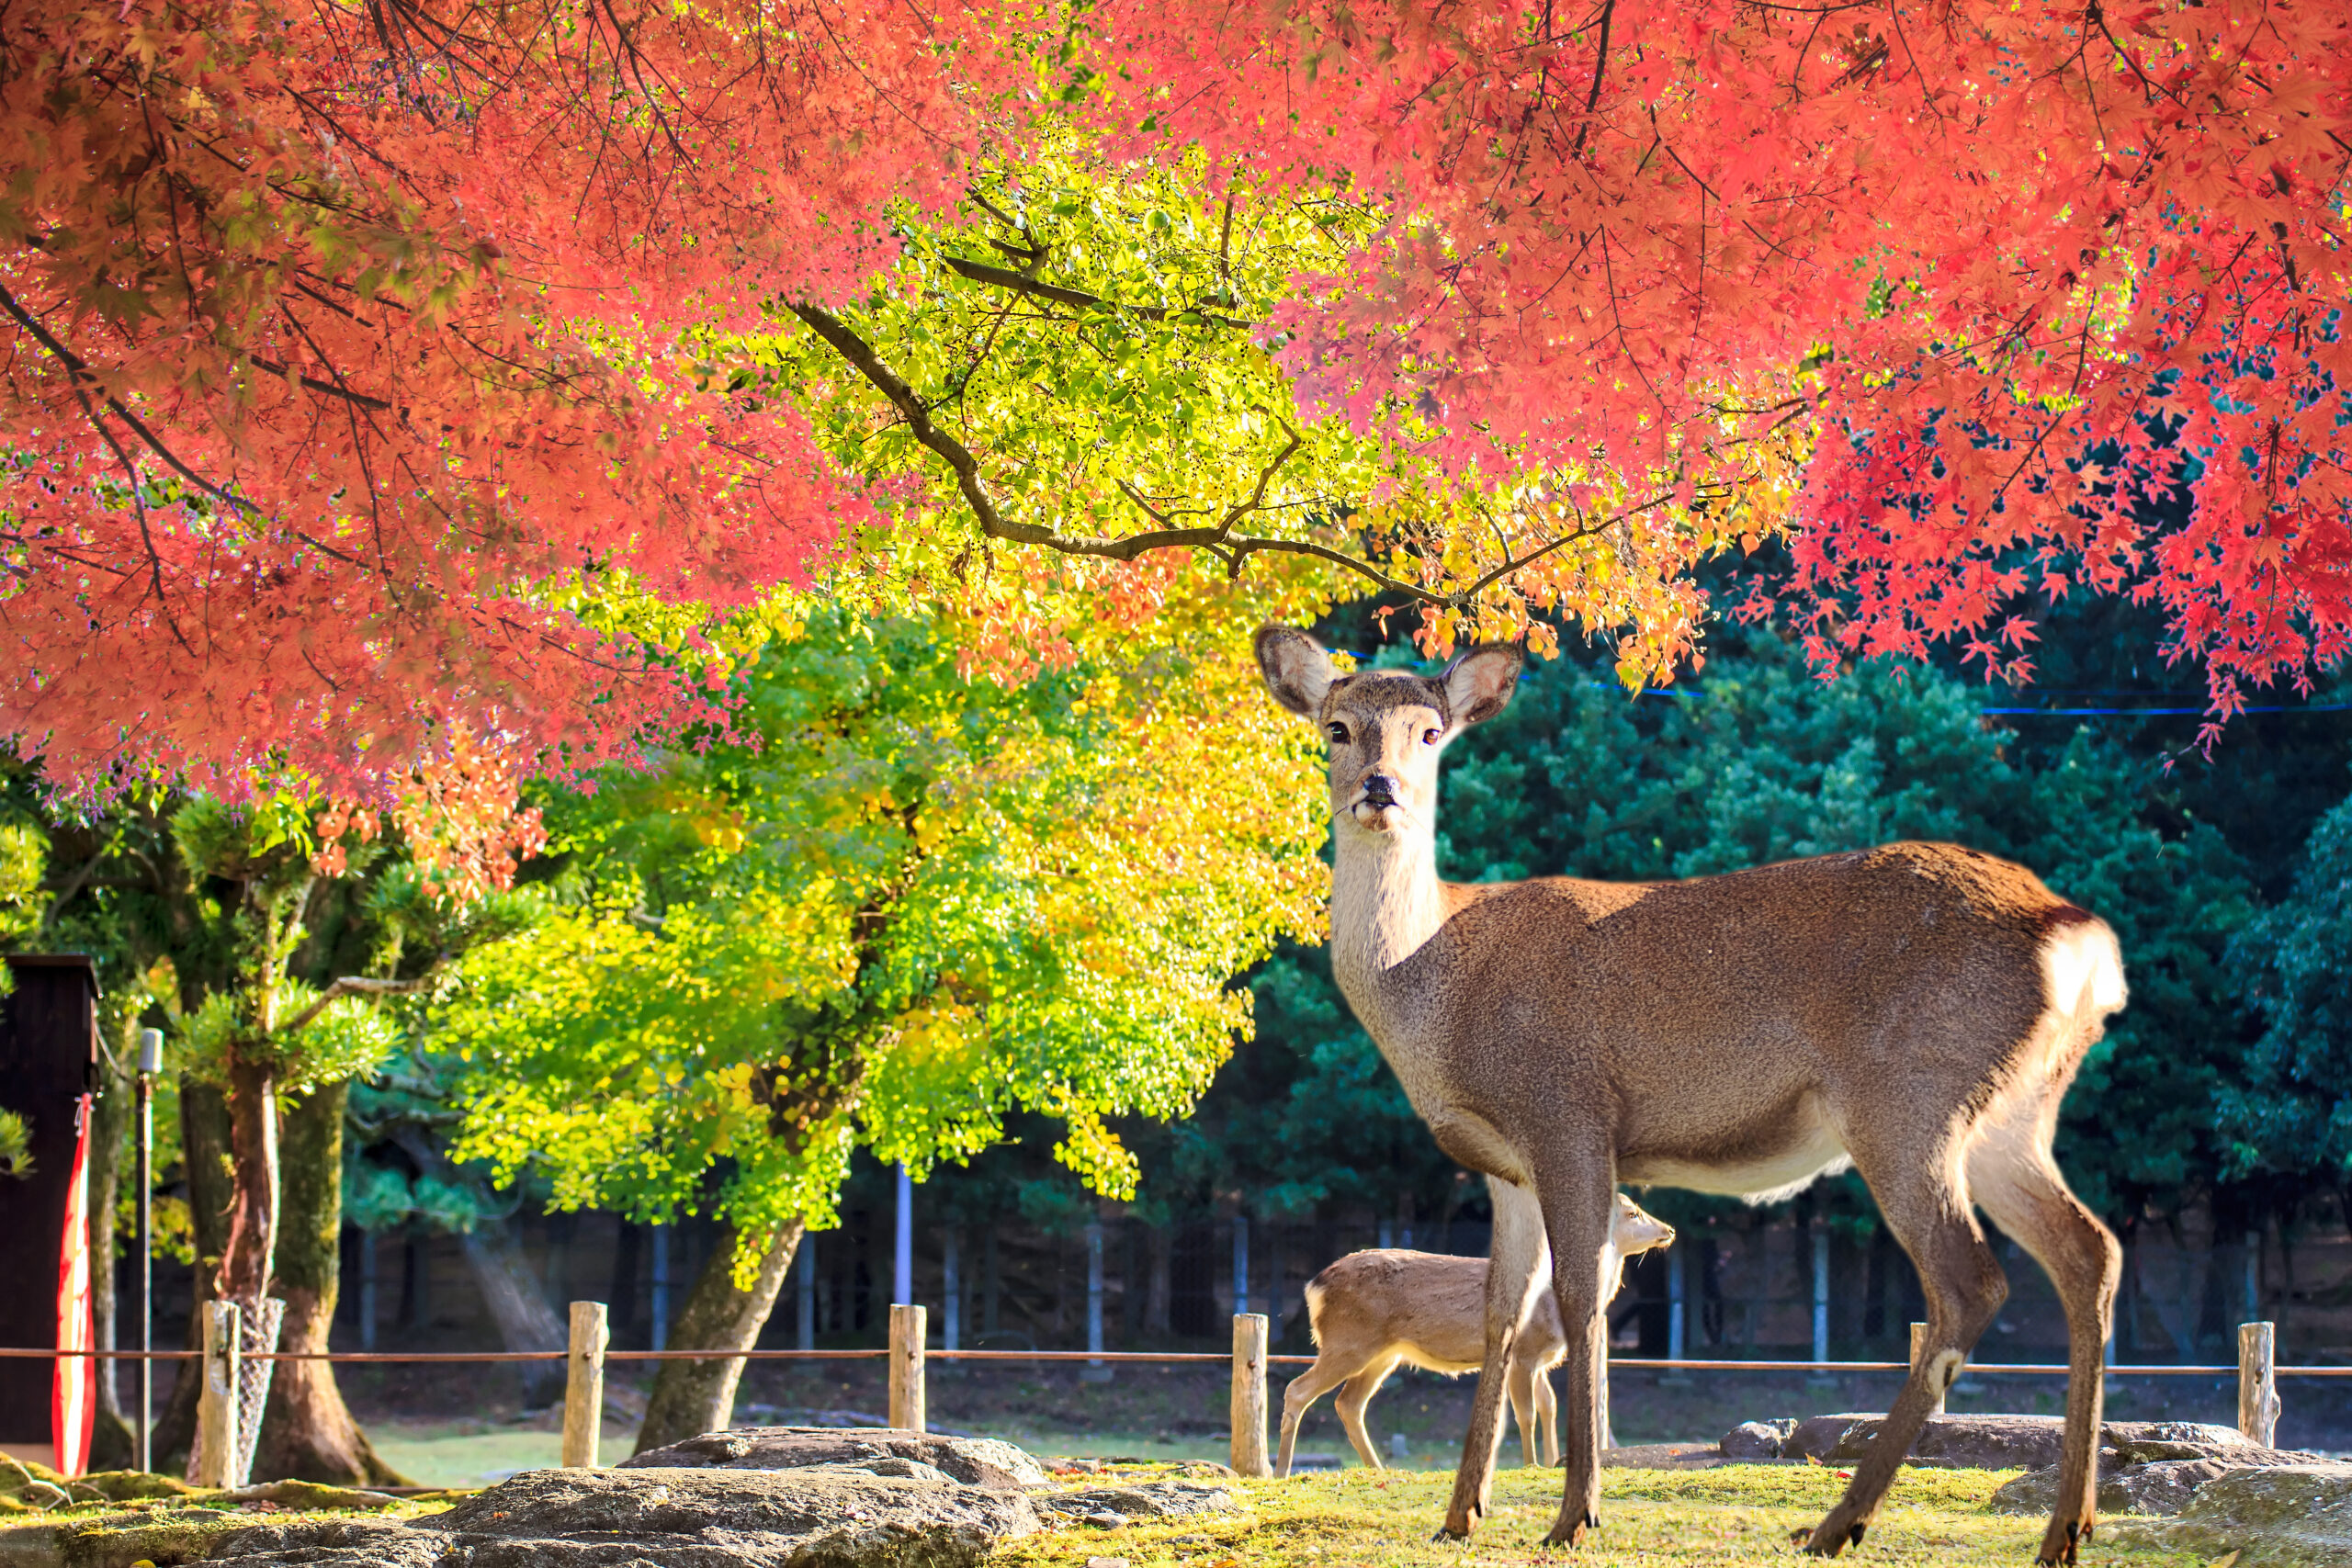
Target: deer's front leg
{"type": "Point", "coordinates": [1516, 1270]}
{"type": "Point", "coordinates": [1580, 1198]}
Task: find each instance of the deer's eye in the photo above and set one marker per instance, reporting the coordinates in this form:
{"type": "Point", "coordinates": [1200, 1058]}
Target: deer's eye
{"type": "Point", "coordinates": [1338, 733]}
{"type": "Point", "coordinates": [1429, 737]}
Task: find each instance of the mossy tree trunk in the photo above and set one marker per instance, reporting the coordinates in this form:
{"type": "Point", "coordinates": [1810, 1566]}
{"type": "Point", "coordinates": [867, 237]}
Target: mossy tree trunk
{"type": "Point", "coordinates": [211, 1187]}
{"type": "Point", "coordinates": [307, 1432]}
{"type": "Point", "coordinates": [693, 1397]}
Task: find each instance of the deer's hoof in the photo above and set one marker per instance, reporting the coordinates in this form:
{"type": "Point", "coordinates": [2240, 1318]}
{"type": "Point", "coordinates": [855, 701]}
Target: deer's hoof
{"type": "Point", "coordinates": [1822, 1542]}
{"type": "Point", "coordinates": [1447, 1532]}
{"type": "Point", "coordinates": [2058, 1546]}
{"type": "Point", "coordinates": [1571, 1533]}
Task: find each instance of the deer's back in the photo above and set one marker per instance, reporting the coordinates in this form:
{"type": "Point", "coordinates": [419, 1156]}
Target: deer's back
{"type": "Point", "coordinates": [1715, 1016]}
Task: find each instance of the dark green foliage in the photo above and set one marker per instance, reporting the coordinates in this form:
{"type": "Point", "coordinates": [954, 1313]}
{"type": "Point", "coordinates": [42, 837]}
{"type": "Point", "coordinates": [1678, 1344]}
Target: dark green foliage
{"type": "Point", "coordinates": [2291, 1116]}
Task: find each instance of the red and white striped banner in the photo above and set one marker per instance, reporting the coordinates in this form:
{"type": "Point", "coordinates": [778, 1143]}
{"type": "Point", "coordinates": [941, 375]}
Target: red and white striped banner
{"type": "Point", "coordinates": [73, 1393]}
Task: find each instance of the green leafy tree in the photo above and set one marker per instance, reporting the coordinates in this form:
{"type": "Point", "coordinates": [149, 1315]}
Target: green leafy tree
{"type": "Point", "coordinates": [2290, 1117]}
{"type": "Point", "coordinates": [891, 906]}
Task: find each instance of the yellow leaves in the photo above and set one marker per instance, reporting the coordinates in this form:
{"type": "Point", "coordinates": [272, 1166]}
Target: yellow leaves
{"type": "Point", "coordinates": [1095, 1154]}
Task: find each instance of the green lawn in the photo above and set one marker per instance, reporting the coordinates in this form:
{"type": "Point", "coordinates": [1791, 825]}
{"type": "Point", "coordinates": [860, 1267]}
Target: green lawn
{"type": "Point", "coordinates": [1734, 1514]}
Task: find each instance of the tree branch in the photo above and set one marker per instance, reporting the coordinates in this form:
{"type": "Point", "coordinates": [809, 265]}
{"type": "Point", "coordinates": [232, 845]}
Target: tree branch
{"type": "Point", "coordinates": [351, 985]}
{"type": "Point", "coordinates": [1004, 277]}
{"type": "Point", "coordinates": [1218, 539]}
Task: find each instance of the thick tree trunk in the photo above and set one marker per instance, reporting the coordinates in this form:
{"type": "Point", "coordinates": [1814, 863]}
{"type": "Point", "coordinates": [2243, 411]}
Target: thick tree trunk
{"type": "Point", "coordinates": [112, 1444]}
{"type": "Point", "coordinates": [243, 1274]}
{"type": "Point", "coordinates": [204, 1147]}
{"type": "Point", "coordinates": [307, 1432]}
{"type": "Point", "coordinates": [693, 1397]}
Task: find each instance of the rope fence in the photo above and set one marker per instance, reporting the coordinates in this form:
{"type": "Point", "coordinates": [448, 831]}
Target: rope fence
{"type": "Point", "coordinates": [2257, 1373]}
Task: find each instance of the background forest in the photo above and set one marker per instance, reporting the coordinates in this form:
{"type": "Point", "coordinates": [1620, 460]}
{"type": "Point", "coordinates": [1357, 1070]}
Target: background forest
{"type": "Point", "coordinates": [601, 1042]}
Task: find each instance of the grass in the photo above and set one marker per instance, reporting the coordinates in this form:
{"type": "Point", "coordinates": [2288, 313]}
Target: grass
{"type": "Point", "coordinates": [1733, 1514]}
{"type": "Point", "coordinates": [479, 1453]}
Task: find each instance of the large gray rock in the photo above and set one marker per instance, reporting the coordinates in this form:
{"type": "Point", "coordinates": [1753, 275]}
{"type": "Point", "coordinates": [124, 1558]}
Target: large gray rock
{"type": "Point", "coordinates": [976, 1461]}
{"type": "Point", "coordinates": [2273, 1516]}
{"type": "Point", "coordinates": [2153, 1474]}
{"type": "Point", "coordinates": [828, 1515]}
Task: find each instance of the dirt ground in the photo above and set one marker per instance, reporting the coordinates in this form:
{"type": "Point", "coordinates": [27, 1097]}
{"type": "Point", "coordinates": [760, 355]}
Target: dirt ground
{"type": "Point", "coordinates": [474, 1426]}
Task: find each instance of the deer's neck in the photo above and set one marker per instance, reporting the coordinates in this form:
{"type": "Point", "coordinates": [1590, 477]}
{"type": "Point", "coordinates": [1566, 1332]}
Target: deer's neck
{"type": "Point", "coordinates": [1386, 902]}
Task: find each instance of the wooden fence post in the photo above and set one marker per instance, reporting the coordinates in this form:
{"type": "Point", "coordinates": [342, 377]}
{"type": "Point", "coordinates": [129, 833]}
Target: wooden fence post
{"type": "Point", "coordinates": [583, 1385]}
{"type": "Point", "coordinates": [1918, 1346]}
{"type": "Point", "coordinates": [1249, 1394]}
{"type": "Point", "coordinates": [2259, 1382]}
{"type": "Point", "coordinates": [214, 1461]}
{"type": "Point", "coordinates": [908, 1326]}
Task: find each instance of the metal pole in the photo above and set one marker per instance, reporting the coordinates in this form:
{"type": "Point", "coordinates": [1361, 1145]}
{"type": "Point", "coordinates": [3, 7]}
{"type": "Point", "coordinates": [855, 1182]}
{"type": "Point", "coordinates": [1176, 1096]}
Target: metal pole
{"type": "Point", "coordinates": [1094, 1371]}
{"type": "Point", "coordinates": [660, 1287]}
{"type": "Point", "coordinates": [902, 1283]}
{"type": "Point", "coordinates": [951, 1290]}
{"type": "Point", "coordinates": [1240, 1265]}
{"type": "Point", "coordinates": [150, 1062]}
{"type": "Point", "coordinates": [1820, 1293]}
{"type": "Point", "coordinates": [806, 1265]}
{"type": "Point", "coordinates": [1674, 1330]}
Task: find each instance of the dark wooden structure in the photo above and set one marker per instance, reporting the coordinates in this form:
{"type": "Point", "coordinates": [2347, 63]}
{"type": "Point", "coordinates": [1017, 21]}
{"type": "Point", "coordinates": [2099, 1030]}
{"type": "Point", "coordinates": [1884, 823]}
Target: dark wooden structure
{"type": "Point", "coordinates": [49, 1055]}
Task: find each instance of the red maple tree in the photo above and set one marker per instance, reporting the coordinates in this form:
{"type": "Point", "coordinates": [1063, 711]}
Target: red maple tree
{"type": "Point", "coordinates": [354, 377]}
{"type": "Point", "coordinates": [2059, 289]}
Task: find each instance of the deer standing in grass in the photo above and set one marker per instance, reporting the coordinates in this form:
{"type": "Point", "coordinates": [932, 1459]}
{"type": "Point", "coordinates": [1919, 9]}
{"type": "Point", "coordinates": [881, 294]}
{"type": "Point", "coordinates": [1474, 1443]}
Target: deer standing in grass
{"type": "Point", "coordinates": [1374, 1309]}
{"type": "Point", "coordinates": [1916, 1011]}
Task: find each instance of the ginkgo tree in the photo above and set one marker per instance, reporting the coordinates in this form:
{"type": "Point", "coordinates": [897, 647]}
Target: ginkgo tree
{"type": "Point", "coordinates": [893, 904]}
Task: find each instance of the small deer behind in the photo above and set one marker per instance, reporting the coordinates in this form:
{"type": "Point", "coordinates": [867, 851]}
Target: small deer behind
{"type": "Point", "coordinates": [1372, 1310]}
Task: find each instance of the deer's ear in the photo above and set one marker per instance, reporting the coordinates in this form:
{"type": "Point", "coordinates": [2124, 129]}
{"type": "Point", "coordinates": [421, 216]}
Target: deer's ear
{"type": "Point", "coordinates": [1478, 684]}
{"type": "Point", "coordinates": [1297, 669]}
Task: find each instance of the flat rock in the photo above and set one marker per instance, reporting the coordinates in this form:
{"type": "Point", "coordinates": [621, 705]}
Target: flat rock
{"type": "Point", "coordinates": [2006, 1442]}
{"type": "Point", "coordinates": [976, 1461]}
{"type": "Point", "coordinates": [818, 1516]}
{"type": "Point", "coordinates": [1662, 1456]}
{"type": "Point", "coordinates": [1114, 1505]}
{"type": "Point", "coordinates": [2296, 1516]}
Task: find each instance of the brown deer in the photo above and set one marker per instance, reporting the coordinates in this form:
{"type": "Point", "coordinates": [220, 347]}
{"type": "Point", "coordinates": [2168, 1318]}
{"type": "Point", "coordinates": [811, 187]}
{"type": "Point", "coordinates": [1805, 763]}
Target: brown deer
{"type": "Point", "coordinates": [1374, 1309]}
{"type": "Point", "coordinates": [1916, 1011]}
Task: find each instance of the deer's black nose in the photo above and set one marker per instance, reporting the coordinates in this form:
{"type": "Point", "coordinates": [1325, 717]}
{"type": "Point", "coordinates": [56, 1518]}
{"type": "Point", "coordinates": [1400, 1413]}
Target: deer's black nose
{"type": "Point", "coordinates": [1379, 789]}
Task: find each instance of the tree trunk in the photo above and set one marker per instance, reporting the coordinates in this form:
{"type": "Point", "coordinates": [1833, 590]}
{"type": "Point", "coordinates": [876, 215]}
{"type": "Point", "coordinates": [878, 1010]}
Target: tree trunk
{"type": "Point", "coordinates": [204, 1148]}
{"type": "Point", "coordinates": [525, 1321]}
{"type": "Point", "coordinates": [243, 1274]}
{"type": "Point", "coordinates": [1155, 1314]}
{"type": "Point", "coordinates": [112, 1444]}
{"type": "Point", "coordinates": [307, 1432]}
{"type": "Point", "coordinates": [693, 1397]}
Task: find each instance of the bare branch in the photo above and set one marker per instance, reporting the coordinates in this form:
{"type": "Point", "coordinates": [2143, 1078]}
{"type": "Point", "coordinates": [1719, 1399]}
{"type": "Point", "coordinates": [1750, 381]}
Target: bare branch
{"type": "Point", "coordinates": [1234, 550]}
{"type": "Point", "coordinates": [351, 985]}
{"type": "Point", "coordinates": [1003, 278]}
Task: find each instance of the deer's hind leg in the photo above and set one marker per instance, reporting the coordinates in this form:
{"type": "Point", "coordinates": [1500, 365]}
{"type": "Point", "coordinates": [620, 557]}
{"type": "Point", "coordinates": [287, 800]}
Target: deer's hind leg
{"type": "Point", "coordinates": [2013, 1177]}
{"type": "Point", "coordinates": [1923, 1195]}
{"type": "Point", "coordinates": [1515, 1270]}
{"type": "Point", "coordinates": [1354, 1394]}
{"type": "Point", "coordinates": [1328, 1372]}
